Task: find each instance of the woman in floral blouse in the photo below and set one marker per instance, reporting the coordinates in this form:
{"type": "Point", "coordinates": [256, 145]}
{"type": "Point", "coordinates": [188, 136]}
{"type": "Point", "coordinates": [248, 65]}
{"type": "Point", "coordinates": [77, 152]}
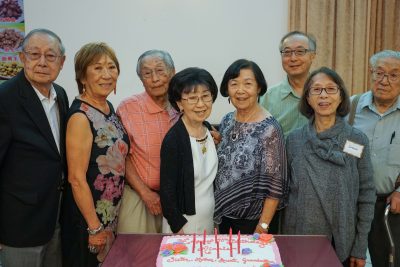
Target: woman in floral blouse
{"type": "Point", "coordinates": [251, 181]}
{"type": "Point", "coordinates": [96, 146]}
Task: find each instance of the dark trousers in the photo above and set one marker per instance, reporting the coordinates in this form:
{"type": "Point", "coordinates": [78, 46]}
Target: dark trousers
{"type": "Point", "coordinates": [248, 226]}
{"type": "Point", "coordinates": [244, 226]}
{"type": "Point", "coordinates": [275, 224]}
{"type": "Point", "coordinates": [378, 242]}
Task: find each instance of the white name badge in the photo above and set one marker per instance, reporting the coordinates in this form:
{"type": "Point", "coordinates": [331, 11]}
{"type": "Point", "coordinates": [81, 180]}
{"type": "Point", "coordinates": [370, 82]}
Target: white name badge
{"type": "Point", "coordinates": [353, 149]}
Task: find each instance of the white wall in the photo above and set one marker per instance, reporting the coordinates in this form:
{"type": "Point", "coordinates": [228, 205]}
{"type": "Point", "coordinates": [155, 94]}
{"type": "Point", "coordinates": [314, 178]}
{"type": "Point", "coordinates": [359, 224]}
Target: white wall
{"type": "Point", "coordinates": [210, 34]}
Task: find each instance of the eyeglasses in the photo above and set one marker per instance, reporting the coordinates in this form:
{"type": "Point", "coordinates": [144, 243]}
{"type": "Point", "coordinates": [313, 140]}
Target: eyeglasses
{"type": "Point", "coordinates": [147, 74]}
{"type": "Point", "coordinates": [378, 75]}
{"type": "Point", "coordinates": [195, 99]}
{"type": "Point", "coordinates": [298, 52]}
{"type": "Point", "coordinates": [331, 90]}
{"type": "Point", "coordinates": [50, 57]}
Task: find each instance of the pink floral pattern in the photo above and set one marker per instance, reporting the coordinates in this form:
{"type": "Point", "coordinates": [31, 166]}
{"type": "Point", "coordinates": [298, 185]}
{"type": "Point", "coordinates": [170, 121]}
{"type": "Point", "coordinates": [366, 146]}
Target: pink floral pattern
{"type": "Point", "coordinates": [106, 169]}
{"type": "Point", "coordinates": [114, 160]}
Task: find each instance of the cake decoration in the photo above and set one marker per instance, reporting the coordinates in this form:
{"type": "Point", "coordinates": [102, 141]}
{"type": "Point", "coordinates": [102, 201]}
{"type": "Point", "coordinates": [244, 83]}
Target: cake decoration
{"type": "Point", "coordinates": [173, 249]}
{"type": "Point", "coordinates": [258, 250]}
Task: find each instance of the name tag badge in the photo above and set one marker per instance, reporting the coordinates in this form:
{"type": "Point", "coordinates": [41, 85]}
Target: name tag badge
{"type": "Point", "coordinates": [353, 149]}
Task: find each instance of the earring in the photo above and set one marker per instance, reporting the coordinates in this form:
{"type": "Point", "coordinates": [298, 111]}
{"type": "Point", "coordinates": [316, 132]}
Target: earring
{"type": "Point", "coordinates": [229, 100]}
{"type": "Point", "coordinates": [115, 90]}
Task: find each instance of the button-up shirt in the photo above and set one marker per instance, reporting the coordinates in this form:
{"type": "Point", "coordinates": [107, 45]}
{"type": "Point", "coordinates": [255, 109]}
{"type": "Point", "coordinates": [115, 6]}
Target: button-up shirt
{"type": "Point", "coordinates": [51, 109]}
{"type": "Point", "coordinates": [146, 124]}
{"type": "Point", "coordinates": [282, 102]}
{"type": "Point", "coordinates": [383, 131]}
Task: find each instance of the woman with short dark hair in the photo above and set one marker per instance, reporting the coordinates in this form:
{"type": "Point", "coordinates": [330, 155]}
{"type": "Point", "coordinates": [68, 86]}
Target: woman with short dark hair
{"type": "Point", "coordinates": [188, 156]}
{"type": "Point", "coordinates": [331, 190]}
{"type": "Point", "coordinates": [251, 179]}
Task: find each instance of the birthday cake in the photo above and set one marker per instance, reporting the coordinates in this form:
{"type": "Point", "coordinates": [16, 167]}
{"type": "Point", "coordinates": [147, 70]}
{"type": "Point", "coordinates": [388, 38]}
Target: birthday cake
{"type": "Point", "coordinates": [219, 250]}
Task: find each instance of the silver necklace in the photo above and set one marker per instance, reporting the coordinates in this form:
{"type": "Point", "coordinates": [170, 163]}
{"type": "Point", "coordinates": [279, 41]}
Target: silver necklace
{"type": "Point", "coordinates": [235, 133]}
{"type": "Point", "coordinates": [236, 129]}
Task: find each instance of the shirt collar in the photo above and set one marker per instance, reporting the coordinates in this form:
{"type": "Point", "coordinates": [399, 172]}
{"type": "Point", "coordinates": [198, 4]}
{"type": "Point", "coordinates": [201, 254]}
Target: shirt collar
{"type": "Point", "coordinates": [153, 108]}
{"type": "Point", "coordinates": [367, 101]}
{"type": "Point", "coordinates": [53, 94]}
{"type": "Point", "coordinates": [287, 89]}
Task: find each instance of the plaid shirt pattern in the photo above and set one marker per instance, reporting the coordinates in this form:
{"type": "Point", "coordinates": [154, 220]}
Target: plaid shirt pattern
{"type": "Point", "coordinates": [146, 124]}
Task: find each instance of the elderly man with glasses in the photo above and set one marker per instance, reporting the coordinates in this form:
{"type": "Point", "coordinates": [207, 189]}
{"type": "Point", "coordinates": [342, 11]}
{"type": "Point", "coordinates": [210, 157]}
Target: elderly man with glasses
{"type": "Point", "coordinates": [378, 115]}
{"type": "Point", "coordinates": [147, 117]}
{"type": "Point", "coordinates": [297, 53]}
{"type": "Point", "coordinates": [32, 155]}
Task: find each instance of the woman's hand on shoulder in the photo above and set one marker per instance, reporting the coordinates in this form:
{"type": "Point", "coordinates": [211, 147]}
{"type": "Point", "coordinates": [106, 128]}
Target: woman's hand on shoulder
{"type": "Point", "coordinates": [217, 137]}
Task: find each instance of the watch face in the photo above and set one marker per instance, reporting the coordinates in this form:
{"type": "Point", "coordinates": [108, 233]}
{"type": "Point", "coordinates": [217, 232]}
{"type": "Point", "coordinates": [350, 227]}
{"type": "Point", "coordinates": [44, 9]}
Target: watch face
{"type": "Point", "coordinates": [264, 226]}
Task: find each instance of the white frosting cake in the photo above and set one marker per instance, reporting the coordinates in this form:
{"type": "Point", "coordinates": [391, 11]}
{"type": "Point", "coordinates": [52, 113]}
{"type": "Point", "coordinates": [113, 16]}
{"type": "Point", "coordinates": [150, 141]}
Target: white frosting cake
{"type": "Point", "coordinates": [255, 250]}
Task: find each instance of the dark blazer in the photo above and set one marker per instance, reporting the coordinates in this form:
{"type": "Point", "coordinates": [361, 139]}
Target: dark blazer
{"type": "Point", "coordinates": [31, 166]}
{"type": "Point", "coordinates": [177, 176]}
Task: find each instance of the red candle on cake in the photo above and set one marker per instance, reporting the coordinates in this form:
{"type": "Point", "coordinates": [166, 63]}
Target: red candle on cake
{"type": "Point", "coordinates": [238, 242]}
{"type": "Point", "coordinates": [215, 234]}
{"type": "Point", "coordinates": [194, 243]}
{"type": "Point", "coordinates": [230, 249]}
{"type": "Point", "coordinates": [204, 236]}
{"type": "Point", "coordinates": [230, 234]}
{"type": "Point", "coordinates": [217, 249]}
{"type": "Point", "coordinates": [201, 249]}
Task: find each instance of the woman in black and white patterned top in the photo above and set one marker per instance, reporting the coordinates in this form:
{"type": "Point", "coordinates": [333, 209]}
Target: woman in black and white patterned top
{"type": "Point", "coordinates": [251, 181]}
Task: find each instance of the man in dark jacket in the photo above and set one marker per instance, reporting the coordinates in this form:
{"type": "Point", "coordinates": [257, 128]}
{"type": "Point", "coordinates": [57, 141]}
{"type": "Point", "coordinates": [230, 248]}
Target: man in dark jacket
{"type": "Point", "coordinates": [32, 155]}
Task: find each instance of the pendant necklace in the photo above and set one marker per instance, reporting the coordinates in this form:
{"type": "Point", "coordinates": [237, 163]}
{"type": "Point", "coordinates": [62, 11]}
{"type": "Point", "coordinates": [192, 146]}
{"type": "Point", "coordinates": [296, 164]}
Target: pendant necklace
{"type": "Point", "coordinates": [236, 129]}
{"type": "Point", "coordinates": [203, 143]}
{"type": "Point", "coordinates": [234, 135]}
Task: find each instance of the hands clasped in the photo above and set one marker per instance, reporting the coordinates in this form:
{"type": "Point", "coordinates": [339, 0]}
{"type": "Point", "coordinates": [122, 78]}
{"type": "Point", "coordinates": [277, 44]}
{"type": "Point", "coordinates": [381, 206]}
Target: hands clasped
{"type": "Point", "coordinates": [152, 202]}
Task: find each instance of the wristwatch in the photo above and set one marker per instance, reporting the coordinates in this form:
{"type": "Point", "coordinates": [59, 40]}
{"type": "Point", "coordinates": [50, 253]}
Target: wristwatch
{"type": "Point", "coordinates": [264, 226]}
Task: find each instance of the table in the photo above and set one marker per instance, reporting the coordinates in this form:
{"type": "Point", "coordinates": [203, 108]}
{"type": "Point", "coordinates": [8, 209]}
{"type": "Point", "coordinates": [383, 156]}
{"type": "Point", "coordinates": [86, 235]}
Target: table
{"type": "Point", "coordinates": [140, 250]}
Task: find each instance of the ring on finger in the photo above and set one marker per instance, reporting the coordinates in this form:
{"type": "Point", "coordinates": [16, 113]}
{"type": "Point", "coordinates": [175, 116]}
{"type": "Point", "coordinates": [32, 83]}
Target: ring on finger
{"type": "Point", "coordinates": [92, 249]}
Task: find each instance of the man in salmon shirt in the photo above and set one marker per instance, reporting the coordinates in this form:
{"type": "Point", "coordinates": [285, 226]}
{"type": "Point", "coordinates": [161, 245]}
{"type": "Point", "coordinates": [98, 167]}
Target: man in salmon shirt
{"type": "Point", "coordinates": [146, 117]}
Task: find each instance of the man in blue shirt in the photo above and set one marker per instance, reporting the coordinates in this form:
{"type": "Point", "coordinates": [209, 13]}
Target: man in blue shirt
{"type": "Point", "coordinates": [378, 116]}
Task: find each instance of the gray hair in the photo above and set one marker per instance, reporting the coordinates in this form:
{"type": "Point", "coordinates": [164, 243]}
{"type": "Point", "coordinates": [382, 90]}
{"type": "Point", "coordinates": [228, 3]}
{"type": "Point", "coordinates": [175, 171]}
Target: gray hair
{"type": "Point", "coordinates": [163, 55]}
{"type": "Point", "coordinates": [46, 32]}
{"type": "Point", "coordinates": [373, 60]}
{"type": "Point", "coordinates": [312, 43]}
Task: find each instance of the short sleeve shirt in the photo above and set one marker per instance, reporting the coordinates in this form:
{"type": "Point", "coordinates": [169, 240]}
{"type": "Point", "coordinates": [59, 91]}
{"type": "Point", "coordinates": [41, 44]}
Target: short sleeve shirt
{"type": "Point", "coordinates": [146, 124]}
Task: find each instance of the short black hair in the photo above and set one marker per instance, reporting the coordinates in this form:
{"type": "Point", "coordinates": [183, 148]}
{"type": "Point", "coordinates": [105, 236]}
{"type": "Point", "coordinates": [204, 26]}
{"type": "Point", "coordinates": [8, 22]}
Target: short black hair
{"type": "Point", "coordinates": [233, 72]}
{"type": "Point", "coordinates": [343, 108]}
{"type": "Point", "coordinates": [186, 81]}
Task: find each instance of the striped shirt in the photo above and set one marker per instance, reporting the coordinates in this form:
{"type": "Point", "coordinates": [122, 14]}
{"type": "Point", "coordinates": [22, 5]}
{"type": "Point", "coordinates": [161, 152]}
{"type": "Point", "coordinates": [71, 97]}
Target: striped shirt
{"type": "Point", "coordinates": [146, 124]}
{"type": "Point", "coordinates": [251, 168]}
